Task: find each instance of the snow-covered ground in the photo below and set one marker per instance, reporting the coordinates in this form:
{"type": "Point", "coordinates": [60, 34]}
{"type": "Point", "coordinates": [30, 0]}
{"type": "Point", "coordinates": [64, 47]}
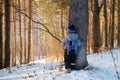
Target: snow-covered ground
{"type": "Point", "coordinates": [101, 67]}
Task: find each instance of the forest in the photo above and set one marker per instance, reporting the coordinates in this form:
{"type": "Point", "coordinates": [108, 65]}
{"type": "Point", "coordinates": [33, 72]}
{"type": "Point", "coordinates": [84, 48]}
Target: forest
{"type": "Point", "coordinates": [33, 29]}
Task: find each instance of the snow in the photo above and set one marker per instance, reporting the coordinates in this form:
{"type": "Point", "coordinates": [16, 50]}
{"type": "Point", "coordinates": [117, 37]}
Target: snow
{"type": "Point", "coordinates": [101, 67]}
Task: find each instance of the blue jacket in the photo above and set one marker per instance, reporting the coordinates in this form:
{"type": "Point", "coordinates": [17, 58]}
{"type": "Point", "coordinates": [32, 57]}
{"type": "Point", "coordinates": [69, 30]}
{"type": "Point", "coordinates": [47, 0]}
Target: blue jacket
{"type": "Point", "coordinates": [76, 43]}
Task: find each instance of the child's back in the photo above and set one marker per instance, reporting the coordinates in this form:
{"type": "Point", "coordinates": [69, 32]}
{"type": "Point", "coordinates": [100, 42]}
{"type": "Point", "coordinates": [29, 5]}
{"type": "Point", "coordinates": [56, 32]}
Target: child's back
{"type": "Point", "coordinates": [71, 43]}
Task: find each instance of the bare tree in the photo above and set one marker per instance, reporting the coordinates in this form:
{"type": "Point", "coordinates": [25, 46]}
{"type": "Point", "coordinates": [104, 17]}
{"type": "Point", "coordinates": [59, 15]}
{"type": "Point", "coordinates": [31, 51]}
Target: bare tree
{"type": "Point", "coordinates": [79, 17]}
{"type": "Point", "coordinates": [30, 35]}
{"type": "Point", "coordinates": [20, 31]}
{"type": "Point", "coordinates": [1, 35]}
{"type": "Point", "coordinates": [7, 33]}
{"type": "Point", "coordinates": [118, 35]}
{"type": "Point", "coordinates": [96, 26]}
{"type": "Point", "coordinates": [106, 23]}
{"type": "Point", "coordinates": [25, 25]}
{"type": "Point", "coordinates": [89, 36]}
{"type": "Point", "coordinates": [13, 31]}
{"type": "Point", "coordinates": [112, 26]}
{"type": "Point", "coordinates": [61, 18]}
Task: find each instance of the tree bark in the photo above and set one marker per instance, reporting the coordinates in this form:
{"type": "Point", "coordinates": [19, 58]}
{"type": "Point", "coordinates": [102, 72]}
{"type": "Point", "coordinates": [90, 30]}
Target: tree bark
{"type": "Point", "coordinates": [25, 25]}
{"type": "Point", "coordinates": [7, 33]}
{"type": "Point", "coordinates": [118, 35]}
{"type": "Point", "coordinates": [61, 19]}
{"type": "Point", "coordinates": [13, 29]}
{"type": "Point", "coordinates": [1, 35]}
{"type": "Point", "coordinates": [89, 36]}
{"type": "Point", "coordinates": [79, 17]}
{"type": "Point", "coordinates": [112, 29]}
{"type": "Point", "coordinates": [96, 27]}
{"type": "Point", "coordinates": [30, 35]}
{"type": "Point", "coordinates": [20, 29]}
{"type": "Point", "coordinates": [106, 24]}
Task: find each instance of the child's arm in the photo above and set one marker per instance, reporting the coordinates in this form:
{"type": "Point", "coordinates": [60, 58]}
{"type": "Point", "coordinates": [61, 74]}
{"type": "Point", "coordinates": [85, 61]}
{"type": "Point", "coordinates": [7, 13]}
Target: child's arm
{"type": "Point", "coordinates": [80, 43]}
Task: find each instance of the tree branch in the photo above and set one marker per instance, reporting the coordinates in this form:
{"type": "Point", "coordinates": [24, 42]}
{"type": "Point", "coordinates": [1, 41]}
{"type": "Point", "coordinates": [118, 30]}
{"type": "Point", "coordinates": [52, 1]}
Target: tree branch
{"type": "Point", "coordinates": [100, 7]}
{"type": "Point", "coordinates": [1, 14]}
{"type": "Point", "coordinates": [46, 29]}
{"type": "Point", "coordinates": [115, 65]}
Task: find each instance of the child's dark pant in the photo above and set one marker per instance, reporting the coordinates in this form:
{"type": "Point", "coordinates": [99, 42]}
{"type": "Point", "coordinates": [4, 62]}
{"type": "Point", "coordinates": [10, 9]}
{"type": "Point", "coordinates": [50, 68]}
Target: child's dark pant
{"type": "Point", "coordinates": [70, 60]}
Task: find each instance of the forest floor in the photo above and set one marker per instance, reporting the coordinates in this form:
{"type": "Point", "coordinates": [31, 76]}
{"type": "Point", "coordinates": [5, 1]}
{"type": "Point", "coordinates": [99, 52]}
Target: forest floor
{"type": "Point", "coordinates": [101, 67]}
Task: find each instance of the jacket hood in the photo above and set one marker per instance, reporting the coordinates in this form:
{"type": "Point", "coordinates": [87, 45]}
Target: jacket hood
{"type": "Point", "coordinates": [72, 36]}
{"type": "Point", "coordinates": [71, 29]}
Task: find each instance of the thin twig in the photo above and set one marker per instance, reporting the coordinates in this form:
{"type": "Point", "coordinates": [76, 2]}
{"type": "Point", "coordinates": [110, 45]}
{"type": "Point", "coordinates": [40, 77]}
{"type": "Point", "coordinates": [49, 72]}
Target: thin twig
{"type": "Point", "coordinates": [47, 30]}
{"type": "Point", "coordinates": [115, 65]}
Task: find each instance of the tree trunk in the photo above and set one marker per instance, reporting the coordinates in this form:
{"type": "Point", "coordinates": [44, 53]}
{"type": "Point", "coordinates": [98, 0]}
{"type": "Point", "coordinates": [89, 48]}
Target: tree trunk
{"type": "Point", "coordinates": [13, 29]}
{"type": "Point", "coordinates": [79, 17]}
{"type": "Point", "coordinates": [106, 24]}
{"type": "Point", "coordinates": [96, 27]}
{"type": "Point", "coordinates": [39, 38]}
{"type": "Point", "coordinates": [61, 18]}
{"type": "Point", "coordinates": [89, 36]}
{"type": "Point", "coordinates": [118, 33]}
{"type": "Point", "coordinates": [20, 29]}
{"type": "Point", "coordinates": [112, 29]}
{"type": "Point", "coordinates": [30, 35]}
{"type": "Point", "coordinates": [1, 35]}
{"type": "Point", "coordinates": [25, 52]}
{"type": "Point", "coordinates": [7, 33]}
